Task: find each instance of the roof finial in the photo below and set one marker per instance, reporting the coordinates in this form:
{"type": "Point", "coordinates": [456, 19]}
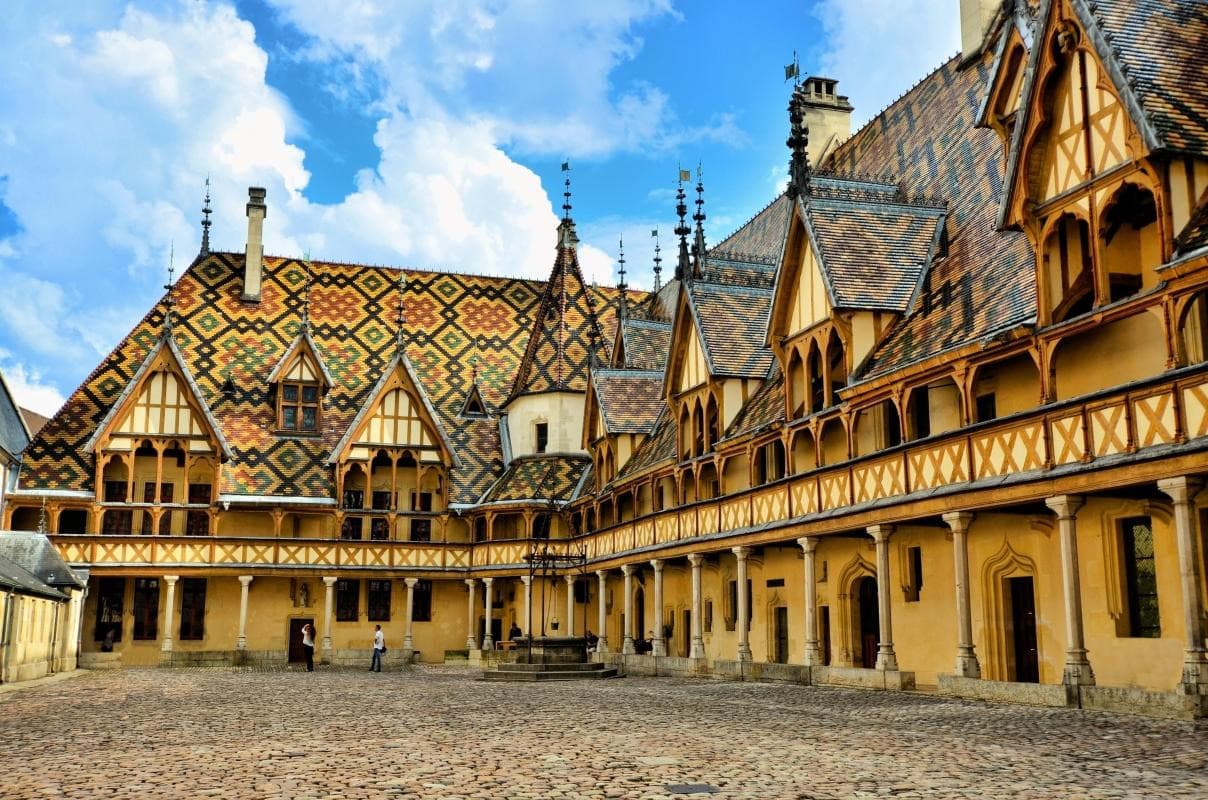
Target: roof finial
{"type": "Point", "coordinates": [793, 71]}
{"type": "Point", "coordinates": [566, 193]}
{"type": "Point", "coordinates": [42, 517]}
{"type": "Point", "coordinates": [205, 222]}
{"type": "Point", "coordinates": [623, 310]}
{"type": "Point", "coordinates": [698, 246]}
{"type": "Point", "coordinates": [168, 300]}
{"type": "Point", "coordinates": [306, 293]}
{"type": "Point", "coordinates": [683, 269]}
{"type": "Point", "coordinates": [798, 141]}
{"type": "Point", "coordinates": [658, 262]}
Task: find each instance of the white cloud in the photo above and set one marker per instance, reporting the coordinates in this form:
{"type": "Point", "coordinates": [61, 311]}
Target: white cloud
{"type": "Point", "coordinates": [28, 388]}
{"type": "Point", "coordinates": [876, 45]}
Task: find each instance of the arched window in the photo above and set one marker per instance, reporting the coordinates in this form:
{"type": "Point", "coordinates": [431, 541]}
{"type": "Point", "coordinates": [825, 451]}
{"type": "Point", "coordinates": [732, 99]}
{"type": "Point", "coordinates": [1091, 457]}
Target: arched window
{"type": "Point", "coordinates": [817, 381]}
{"type": "Point", "coordinates": [795, 385]}
{"type": "Point", "coordinates": [1130, 247]}
{"type": "Point", "coordinates": [836, 362]}
{"type": "Point", "coordinates": [1069, 275]}
{"type": "Point", "coordinates": [712, 424]}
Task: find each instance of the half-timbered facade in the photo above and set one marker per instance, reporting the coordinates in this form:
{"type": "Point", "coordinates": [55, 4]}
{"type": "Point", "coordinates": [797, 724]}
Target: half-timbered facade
{"type": "Point", "coordinates": [937, 415]}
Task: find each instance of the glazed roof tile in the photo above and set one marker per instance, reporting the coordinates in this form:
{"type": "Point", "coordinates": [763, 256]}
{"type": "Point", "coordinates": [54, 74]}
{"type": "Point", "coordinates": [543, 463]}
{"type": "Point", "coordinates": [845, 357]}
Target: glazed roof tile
{"type": "Point", "coordinates": [872, 254]}
{"type": "Point", "coordinates": [732, 321]}
{"type": "Point", "coordinates": [630, 400]}
{"type": "Point", "coordinates": [451, 319]}
{"type": "Point", "coordinates": [764, 409]}
{"type": "Point", "coordinates": [657, 449]}
{"type": "Point", "coordinates": [549, 478]}
{"type": "Point", "coordinates": [647, 343]}
{"type": "Point", "coordinates": [1195, 233]}
{"type": "Point", "coordinates": [928, 142]}
{"type": "Point", "coordinates": [761, 239]}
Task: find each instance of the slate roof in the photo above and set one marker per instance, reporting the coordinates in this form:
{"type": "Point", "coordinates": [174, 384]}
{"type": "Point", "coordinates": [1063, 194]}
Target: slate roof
{"type": "Point", "coordinates": [14, 578]}
{"type": "Point", "coordinates": [736, 271]}
{"type": "Point", "coordinates": [33, 421]}
{"type": "Point", "coordinates": [630, 400]}
{"type": "Point", "coordinates": [451, 319]}
{"type": "Point", "coordinates": [30, 563]}
{"type": "Point", "coordinates": [559, 351]}
{"type": "Point", "coordinates": [733, 323]}
{"type": "Point", "coordinates": [657, 449]}
{"type": "Point", "coordinates": [926, 141]}
{"type": "Point", "coordinates": [646, 342]}
{"type": "Point", "coordinates": [14, 436]}
{"type": "Point", "coordinates": [761, 238]}
{"type": "Point", "coordinates": [873, 254]}
{"type": "Point", "coordinates": [547, 477]}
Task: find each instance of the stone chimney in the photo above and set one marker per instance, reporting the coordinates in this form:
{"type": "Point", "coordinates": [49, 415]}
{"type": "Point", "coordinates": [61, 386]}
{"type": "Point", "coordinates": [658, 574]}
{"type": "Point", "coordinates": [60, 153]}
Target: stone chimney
{"type": "Point", "coordinates": [827, 115]}
{"type": "Point", "coordinates": [253, 263]}
{"type": "Point", "coordinates": [976, 16]}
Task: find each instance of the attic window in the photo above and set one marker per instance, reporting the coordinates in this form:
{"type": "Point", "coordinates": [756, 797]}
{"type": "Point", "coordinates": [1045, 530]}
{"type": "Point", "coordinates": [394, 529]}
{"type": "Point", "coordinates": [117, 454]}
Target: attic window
{"type": "Point", "coordinates": [474, 405]}
{"type": "Point", "coordinates": [298, 406]}
{"type": "Point", "coordinates": [541, 437]}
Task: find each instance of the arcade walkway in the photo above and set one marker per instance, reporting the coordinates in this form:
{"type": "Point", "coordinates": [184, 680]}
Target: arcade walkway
{"type": "Point", "coordinates": [436, 732]}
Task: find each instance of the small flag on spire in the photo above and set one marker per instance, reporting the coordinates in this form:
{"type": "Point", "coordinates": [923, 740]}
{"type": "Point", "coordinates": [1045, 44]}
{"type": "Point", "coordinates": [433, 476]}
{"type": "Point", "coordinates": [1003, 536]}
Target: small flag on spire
{"type": "Point", "coordinates": [566, 166]}
{"type": "Point", "coordinates": [791, 71]}
{"type": "Point", "coordinates": [685, 175]}
{"type": "Point", "coordinates": [654, 232]}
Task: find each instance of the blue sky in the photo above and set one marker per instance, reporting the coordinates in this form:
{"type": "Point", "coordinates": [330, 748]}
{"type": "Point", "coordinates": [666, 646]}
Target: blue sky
{"type": "Point", "coordinates": [417, 134]}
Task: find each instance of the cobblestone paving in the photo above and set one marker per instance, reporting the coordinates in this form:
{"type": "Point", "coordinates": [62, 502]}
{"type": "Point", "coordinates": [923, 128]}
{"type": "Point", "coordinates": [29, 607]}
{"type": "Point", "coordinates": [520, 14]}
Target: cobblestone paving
{"type": "Point", "coordinates": [438, 732]}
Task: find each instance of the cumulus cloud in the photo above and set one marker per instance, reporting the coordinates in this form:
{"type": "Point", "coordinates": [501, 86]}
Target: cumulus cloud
{"type": "Point", "coordinates": [873, 45]}
{"type": "Point", "coordinates": [28, 388]}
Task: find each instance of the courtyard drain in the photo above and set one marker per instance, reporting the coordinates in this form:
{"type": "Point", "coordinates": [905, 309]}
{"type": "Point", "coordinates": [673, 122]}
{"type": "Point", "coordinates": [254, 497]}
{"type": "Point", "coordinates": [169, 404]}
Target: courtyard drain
{"type": "Point", "coordinates": [691, 788]}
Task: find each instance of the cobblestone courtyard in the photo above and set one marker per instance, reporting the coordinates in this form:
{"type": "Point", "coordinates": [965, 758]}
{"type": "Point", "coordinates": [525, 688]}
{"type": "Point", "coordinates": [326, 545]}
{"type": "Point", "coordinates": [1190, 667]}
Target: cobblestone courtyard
{"type": "Point", "coordinates": [438, 732]}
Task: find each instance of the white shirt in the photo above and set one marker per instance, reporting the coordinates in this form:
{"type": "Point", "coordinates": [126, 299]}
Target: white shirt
{"type": "Point", "coordinates": [308, 638]}
{"type": "Point", "coordinates": [379, 641]}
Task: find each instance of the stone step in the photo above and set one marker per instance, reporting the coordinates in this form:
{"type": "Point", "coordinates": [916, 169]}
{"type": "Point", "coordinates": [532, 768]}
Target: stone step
{"type": "Point", "coordinates": [550, 667]}
{"type": "Point", "coordinates": [532, 676]}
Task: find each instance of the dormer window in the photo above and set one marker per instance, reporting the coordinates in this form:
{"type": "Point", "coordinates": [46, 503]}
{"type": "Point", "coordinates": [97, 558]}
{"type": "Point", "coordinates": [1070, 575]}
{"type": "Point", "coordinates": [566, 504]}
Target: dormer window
{"type": "Point", "coordinates": [298, 407]}
{"type": "Point", "coordinates": [541, 437]}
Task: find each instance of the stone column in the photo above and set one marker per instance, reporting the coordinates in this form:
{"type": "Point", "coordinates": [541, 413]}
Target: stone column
{"type": "Point", "coordinates": [408, 640]}
{"type": "Point", "coordinates": [744, 613]}
{"type": "Point", "coordinates": [470, 643]}
{"type": "Point", "coordinates": [570, 604]}
{"type": "Point", "coordinates": [658, 645]}
{"type": "Point", "coordinates": [527, 580]}
{"type": "Point", "coordinates": [966, 660]}
{"type": "Point", "coordinates": [329, 606]}
{"type": "Point", "coordinates": [698, 637]}
{"type": "Point", "coordinates": [169, 613]}
{"type": "Point", "coordinates": [1195, 662]}
{"type": "Point", "coordinates": [602, 611]}
{"type": "Point", "coordinates": [1077, 668]}
{"type": "Point", "coordinates": [244, 582]}
{"type": "Point", "coordinates": [813, 651]}
{"type": "Point", "coordinates": [627, 645]}
{"type": "Point", "coordinates": [887, 659]}
{"type": "Point", "coordinates": [487, 642]}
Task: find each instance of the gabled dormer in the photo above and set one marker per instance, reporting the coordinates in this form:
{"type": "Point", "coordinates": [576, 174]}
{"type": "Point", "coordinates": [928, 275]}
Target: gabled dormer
{"type": "Point", "coordinates": [300, 380]}
{"type": "Point", "coordinates": [622, 407]}
{"type": "Point", "coordinates": [395, 456]}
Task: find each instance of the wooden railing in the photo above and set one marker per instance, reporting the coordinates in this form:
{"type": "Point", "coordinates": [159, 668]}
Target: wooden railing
{"type": "Point", "coordinates": [1164, 411]}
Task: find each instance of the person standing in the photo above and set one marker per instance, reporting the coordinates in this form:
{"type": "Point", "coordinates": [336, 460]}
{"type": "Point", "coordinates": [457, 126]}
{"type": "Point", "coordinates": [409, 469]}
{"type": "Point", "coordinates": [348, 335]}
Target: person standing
{"type": "Point", "coordinates": [379, 647]}
{"type": "Point", "coordinates": [308, 646]}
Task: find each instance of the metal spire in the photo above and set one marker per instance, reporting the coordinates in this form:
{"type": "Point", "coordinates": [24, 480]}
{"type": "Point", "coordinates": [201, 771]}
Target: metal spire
{"type": "Point", "coordinates": [698, 247]}
{"type": "Point", "coordinates": [306, 293]}
{"type": "Point", "coordinates": [623, 310]}
{"type": "Point", "coordinates": [658, 262]}
{"type": "Point", "coordinates": [402, 313]}
{"type": "Point", "coordinates": [566, 193]}
{"type": "Point", "coordinates": [798, 141]}
{"type": "Point", "coordinates": [683, 269]}
{"type": "Point", "coordinates": [168, 300]}
{"type": "Point", "coordinates": [205, 222]}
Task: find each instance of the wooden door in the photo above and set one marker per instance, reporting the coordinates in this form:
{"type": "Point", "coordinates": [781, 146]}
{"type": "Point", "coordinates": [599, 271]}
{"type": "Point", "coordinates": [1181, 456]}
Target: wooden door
{"type": "Point", "coordinates": [686, 640]}
{"type": "Point", "coordinates": [869, 622]}
{"type": "Point", "coordinates": [824, 634]}
{"type": "Point", "coordinates": [296, 654]}
{"type": "Point", "coordinates": [1024, 665]}
{"type": "Point", "coordinates": [781, 654]}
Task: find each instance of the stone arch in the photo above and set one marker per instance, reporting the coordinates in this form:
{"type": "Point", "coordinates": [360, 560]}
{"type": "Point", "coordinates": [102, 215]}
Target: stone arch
{"type": "Point", "coordinates": [1006, 563]}
{"type": "Point", "coordinates": [856, 568]}
{"type": "Point", "coordinates": [805, 451]}
{"type": "Point", "coordinates": [1130, 245]}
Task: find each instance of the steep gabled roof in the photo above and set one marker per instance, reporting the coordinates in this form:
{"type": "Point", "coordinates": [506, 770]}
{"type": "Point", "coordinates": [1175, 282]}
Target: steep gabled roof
{"type": "Point", "coordinates": [549, 478]}
{"type": "Point", "coordinates": [1195, 233]}
{"type": "Point", "coordinates": [630, 400]}
{"type": "Point", "coordinates": [763, 410]}
{"type": "Point", "coordinates": [302, 341]}
{"type": "Point", "coordinates": [761, 238]}
{"type": "Point", "coordinates": [566, 328]}
{"type": "Point", "coordinates": [165, 344]}
{"type": "Point", "coordinates": [732, 321]}
{"type": "Point", "coordinates": [659, 447]}
{"type": "Point", "coordinates": [14, 435]}
{"type": "Point", "coordinates": [645, 343]}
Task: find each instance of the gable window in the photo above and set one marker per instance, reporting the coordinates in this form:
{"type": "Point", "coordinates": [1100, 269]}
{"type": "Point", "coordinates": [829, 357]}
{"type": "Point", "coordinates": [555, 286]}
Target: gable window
{"type": "Point", "coordinates": [378, 601]}
{"type": "Point", "coordinates": [348, 597]}
{"type": "Point", "coordinates": [192, 608]}
{"type": "Point", "coordinates": [541, 437]}
{"type": "Point", "coordinates": [1140, 578]}
{"type": "Point", "coordinates": [298, 406]}
{"type": "Point", "coordinates": [197, 523]}
{"type": "Point", "coordinates": [146, 608]}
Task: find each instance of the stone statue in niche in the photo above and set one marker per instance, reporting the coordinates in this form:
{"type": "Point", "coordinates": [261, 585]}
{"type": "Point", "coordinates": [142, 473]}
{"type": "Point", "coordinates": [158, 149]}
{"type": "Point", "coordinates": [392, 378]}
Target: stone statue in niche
{"type": "Point", "coordinates": [304, 595]}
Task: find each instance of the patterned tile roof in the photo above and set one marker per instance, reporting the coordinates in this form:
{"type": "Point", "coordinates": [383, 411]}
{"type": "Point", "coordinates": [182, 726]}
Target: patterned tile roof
{"type": "Point", "coordinates": [559, 351]}
{"type": "Point", "coordinates": [659, 448]}
{"type": "Point", "coordinates": [927, 141]}
{"type": "Point", "coordinates": [872, 254]}
{"type": "Point", "coordinates": [1195, 233]}
{"type": "Point", "coordinates": [737, 272]}
{"type": "Point", "coordinates": [630, 400]}
{"type": "Point", "coordinates": [647, 343]}
{"type": "Point", "coordinates": [761, 238]}
{"type": "Point", "coordinates": [765, 408]}
{"type": "Point", "coordinates": [733, 323]}
{"type": "Point", "coordinates": [1161, 50]}
{"type": "Point", "coordinates": [451, 319]}
{"type": "Point", "coordinates": [551, 477]}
